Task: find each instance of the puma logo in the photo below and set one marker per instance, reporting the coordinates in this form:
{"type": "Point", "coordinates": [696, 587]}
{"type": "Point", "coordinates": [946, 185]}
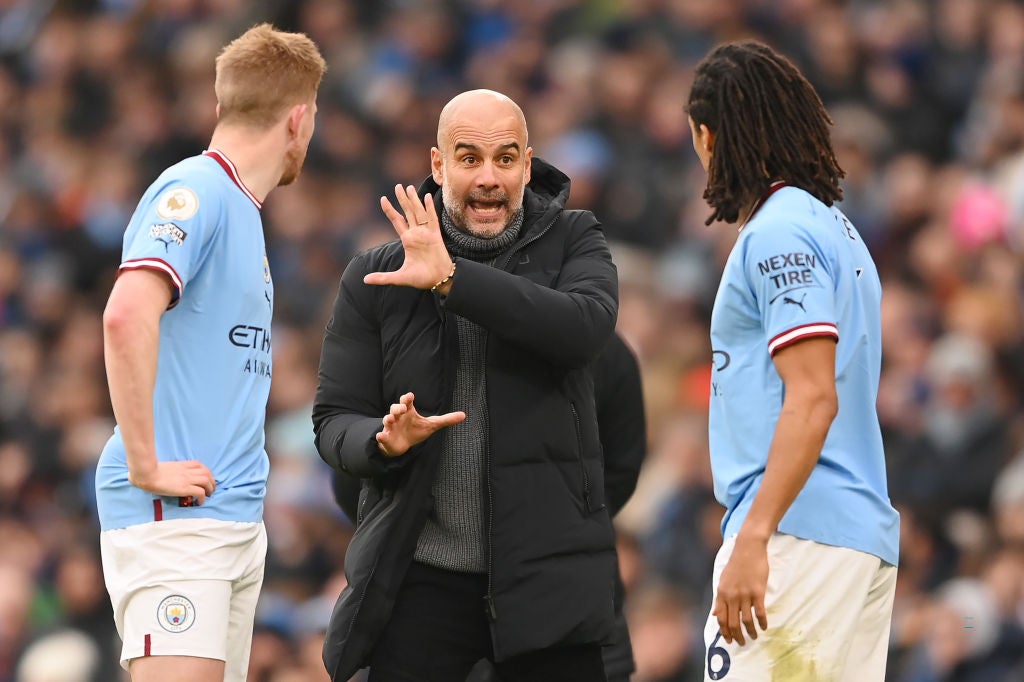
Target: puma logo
{"type": "Point", "coordinates": [787, 299]}
{"type": "Point", "coordinates": [165, 242]}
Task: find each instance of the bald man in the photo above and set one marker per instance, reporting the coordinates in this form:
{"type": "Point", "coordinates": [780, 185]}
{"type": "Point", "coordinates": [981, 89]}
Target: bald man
{"type": "Point", "coordinates": [455, 380]}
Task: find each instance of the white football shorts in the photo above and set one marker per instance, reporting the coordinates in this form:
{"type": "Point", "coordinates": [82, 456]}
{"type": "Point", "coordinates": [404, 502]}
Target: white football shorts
{"type": "Point", "coordinates": [829, 612]}
{"type": "Point", "coordinates": [186, 587]}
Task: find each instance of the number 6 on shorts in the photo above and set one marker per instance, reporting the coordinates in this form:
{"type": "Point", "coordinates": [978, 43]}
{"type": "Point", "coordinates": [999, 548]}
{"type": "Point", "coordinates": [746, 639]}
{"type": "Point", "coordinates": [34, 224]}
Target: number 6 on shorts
{"type": "Point", "coordinates": [717, 669]}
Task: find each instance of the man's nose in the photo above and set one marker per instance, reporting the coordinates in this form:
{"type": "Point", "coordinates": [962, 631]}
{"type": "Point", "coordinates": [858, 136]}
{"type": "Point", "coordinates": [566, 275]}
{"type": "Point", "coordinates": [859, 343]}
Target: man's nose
{"type": "Point", "coordinates": [486, 177]}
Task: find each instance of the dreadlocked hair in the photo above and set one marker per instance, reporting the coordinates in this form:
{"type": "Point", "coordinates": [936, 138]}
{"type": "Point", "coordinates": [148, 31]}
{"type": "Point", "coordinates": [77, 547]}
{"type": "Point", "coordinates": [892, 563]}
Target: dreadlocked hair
{"type": "Point", "coordinates": [769, 124]}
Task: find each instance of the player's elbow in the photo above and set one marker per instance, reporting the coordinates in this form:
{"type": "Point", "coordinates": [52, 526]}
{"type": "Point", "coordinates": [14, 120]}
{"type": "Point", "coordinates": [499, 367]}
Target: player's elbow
{"type": "Point", "coordinates": [117, 319]}
{"type": "Point", "coordinates": [818, 405]}
{"type": "Point", "coordinates": [121, 322]}
{"type": "Point", "coordinates": [823, 405]}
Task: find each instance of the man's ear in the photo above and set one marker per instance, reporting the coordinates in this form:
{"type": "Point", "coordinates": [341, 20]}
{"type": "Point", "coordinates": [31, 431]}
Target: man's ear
{"type": "Point", "coordinates": [529, 165]}
{"type": "Point", "coordinates": [708, 135]}
{"type": "Point", "coordinates": [437, 165]}
{"type": "Point", "coordinates": [295, 116]}
{"type": "Point", "coordinates": [217, 110]}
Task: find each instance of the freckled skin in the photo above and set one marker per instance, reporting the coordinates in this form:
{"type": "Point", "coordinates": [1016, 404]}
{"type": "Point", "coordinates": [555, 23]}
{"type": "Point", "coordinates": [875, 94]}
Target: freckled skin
{"type": "Point", "coordinates": [482, 161]}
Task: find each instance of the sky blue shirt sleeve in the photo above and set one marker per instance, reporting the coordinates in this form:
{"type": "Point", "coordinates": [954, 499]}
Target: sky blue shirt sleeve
{"type": "Point", "coordinates": [168, 232]}
{"type": "Point", "coordinates": [792, 278]}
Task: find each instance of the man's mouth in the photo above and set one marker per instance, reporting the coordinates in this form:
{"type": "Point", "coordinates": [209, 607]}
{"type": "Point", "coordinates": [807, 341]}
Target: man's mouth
{"type": "Point", "coordinates": [487, 209]}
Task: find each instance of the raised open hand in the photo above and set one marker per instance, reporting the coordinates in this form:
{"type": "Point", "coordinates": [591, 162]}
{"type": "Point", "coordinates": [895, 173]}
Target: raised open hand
{"type": "Point", "coordinates": [405, 427]}
{"type": "Point", "coordinates": [426, 259]}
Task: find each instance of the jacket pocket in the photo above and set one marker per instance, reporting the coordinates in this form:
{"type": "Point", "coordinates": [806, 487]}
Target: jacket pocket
{"type": "Point", "coordinates": [593, 497]}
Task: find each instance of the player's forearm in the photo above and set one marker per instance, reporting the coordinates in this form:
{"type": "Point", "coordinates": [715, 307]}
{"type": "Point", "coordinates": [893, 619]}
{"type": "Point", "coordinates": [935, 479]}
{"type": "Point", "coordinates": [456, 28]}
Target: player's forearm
{"type": "Point", "coordinates": [130, 345]}
{"type": "Point", "coordinates": [800, 434]}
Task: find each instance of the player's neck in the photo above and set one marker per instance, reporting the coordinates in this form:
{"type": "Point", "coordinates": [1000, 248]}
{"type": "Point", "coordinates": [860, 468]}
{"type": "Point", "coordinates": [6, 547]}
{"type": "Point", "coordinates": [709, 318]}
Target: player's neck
{"type": "Point", "coordinates": [747, 212]}
{"type": "Point", "coordinates": [744, 214]}
{"type": "Point", "coordinates": [254, 157]}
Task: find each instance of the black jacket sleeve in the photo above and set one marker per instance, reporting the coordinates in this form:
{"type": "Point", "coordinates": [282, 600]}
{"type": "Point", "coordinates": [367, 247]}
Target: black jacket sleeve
{"type": "Point", "coordinates": [349, 403]}
{"type": "Point", "coordinates": [568, 324]}
{"type": "Point", "coordinates": [618, 393]}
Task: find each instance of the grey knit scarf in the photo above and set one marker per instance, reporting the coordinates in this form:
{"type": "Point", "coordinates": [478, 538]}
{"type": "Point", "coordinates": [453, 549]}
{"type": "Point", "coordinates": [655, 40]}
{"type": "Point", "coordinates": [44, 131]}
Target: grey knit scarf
{"type": "Point", "coordinates": [453, 537]}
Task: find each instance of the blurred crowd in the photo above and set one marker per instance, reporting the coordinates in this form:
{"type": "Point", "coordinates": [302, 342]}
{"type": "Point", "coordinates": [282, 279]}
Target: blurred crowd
{"type": "Point", "coordinates": [98, 96]}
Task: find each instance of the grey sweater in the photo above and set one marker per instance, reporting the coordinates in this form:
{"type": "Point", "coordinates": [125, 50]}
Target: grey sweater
{"type": "Point", "coordinates": [453, 537]}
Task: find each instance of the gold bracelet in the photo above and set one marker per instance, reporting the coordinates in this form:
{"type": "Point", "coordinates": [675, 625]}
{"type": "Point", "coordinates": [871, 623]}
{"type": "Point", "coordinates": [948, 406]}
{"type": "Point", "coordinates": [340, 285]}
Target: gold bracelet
{"type": "Point", "coordinates": [446, 279]}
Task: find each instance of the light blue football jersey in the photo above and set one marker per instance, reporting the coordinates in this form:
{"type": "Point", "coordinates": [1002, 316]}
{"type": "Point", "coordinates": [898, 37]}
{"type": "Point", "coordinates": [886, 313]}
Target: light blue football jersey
{"type": "Point", "coordinates": [201, 226]}
{"type": "Point", "coordinates": [799, 269]}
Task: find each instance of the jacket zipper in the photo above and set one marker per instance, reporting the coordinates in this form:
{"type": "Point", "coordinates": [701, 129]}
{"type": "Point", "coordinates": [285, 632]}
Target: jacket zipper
{"type": "Point", "coordinates": [373, 569]}
{"type": "Point", "coordinates": [488, 598]}
{"type": "Point", "coordinates": [579, 454]}
{"type": "Point", "coordinates": [359, 602]}
{"type": "Point", "coordinates": [492, 611]}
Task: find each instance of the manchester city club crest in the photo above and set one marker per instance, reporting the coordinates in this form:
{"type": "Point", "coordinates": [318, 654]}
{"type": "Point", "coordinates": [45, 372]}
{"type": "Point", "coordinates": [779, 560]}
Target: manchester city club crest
{"type": "Point", "coordinates": [176, 613]}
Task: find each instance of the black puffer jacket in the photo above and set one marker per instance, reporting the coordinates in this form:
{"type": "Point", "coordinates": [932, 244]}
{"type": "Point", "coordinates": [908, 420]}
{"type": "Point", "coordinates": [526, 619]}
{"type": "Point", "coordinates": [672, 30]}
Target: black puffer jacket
{"type": "Point", "coordinates": [548, 307]}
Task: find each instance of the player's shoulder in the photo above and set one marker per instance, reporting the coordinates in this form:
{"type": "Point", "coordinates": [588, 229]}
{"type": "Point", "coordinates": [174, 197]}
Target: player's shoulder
{"type": "Point", "coordinates": [198, 170]}
{"type": "Point", "coordinates": [187, 188]}
{"type": "Point", "coordinates": [792, 213]}
{"type": "Point", "coordinates": [788, 205]}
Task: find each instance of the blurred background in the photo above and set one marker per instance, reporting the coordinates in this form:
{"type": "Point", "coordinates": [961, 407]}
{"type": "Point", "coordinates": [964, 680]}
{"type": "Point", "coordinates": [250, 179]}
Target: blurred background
{"type": "Point", "coordinates": [98, 96]}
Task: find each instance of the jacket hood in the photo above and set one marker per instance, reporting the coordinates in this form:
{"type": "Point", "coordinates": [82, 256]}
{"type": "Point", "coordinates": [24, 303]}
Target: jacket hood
{"type": "Point", "coordinates": [546, 193]}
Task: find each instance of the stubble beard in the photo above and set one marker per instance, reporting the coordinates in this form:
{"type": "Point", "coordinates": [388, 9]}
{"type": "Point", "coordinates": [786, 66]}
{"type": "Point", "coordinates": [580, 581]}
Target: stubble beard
{"type": "Point", "coordinates": [293, 160]}
{"type": "Point", "coordinates": [456, 210]}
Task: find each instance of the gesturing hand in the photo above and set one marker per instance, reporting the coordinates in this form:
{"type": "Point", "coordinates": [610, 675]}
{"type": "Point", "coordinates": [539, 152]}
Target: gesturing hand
{"type": "Point", "coordinates": [405, 427]}
{"type": "Point", "coordinates": [176, 479]}
{"type": "Point", "coordinates": [426, 259]}
{"type": "Point", "coordinates": [741, 591]}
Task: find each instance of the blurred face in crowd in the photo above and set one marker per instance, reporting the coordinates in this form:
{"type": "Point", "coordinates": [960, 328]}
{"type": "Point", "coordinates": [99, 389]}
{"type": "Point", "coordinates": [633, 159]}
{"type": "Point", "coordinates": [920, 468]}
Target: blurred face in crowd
{"type": "Point", "coordinates": [482, 161]}
{"type": "Point", "coordinates": [301, 124]}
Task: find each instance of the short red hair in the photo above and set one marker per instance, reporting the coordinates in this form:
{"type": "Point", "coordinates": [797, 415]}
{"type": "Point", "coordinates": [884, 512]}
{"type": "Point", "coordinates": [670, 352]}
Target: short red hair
{"type": "Point", "coordinates": [264, 72]}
